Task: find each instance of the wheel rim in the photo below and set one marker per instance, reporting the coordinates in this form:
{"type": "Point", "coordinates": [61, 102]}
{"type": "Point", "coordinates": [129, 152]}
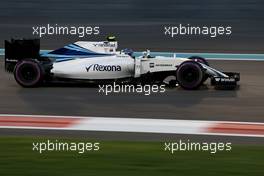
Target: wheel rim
{"type": "Point", "coordinates": [27, 74]}
{"type": "Point", "coordinates": [189, 75]}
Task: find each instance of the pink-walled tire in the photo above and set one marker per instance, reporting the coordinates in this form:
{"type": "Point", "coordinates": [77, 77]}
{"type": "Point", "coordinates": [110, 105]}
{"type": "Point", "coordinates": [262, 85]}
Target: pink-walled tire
{"type": "Point", "coordinates": [203, 61]}
{"type": "Point", "coordinates": [28, 73]}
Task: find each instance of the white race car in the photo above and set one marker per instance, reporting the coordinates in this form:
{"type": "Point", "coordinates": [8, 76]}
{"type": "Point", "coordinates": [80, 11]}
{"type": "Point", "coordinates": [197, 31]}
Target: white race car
{"type": "Point", "coordinates": [101, 62]}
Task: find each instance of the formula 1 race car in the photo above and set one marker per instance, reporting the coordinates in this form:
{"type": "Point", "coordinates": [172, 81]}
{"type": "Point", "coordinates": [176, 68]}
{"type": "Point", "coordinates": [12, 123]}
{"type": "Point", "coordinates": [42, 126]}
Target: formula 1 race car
{"type": "Point", "coordinates": [101, 62]}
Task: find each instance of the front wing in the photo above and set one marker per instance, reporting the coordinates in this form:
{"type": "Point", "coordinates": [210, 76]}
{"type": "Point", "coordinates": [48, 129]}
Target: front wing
{"type": "Point", "coordinates": [222, 80]}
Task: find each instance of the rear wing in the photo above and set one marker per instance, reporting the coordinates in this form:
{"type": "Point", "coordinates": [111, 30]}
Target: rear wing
{"type": "Point", "coordinates": [20, 49]}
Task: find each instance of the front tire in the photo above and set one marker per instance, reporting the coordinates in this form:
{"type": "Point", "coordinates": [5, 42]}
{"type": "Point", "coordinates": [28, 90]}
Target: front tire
{"type": "Point", "coordinates": [200, 60]}
{"type": "Point", "coordinates": [28, 73]}
{"type": "Point", "coordinates": [190, 75]}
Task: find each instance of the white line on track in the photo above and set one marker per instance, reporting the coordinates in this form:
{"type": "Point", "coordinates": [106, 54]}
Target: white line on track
{"type": "Point", "coordinates": [138, 125]}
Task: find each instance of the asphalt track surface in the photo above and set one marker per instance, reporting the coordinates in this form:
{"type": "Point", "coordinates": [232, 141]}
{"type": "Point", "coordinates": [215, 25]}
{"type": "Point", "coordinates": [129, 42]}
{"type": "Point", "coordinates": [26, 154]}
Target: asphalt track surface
{"type": "Point", "coordinates": [139, 25]}
{"type": "Point", "coordinates": [244, 104]}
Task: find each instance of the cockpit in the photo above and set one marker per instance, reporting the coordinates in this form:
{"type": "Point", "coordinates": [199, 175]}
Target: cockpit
{"type": "Point", "coordinates": [146, 54]}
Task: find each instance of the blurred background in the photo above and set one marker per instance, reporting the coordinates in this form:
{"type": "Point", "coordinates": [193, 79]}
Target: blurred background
{"type": "Point", "coordinates": [139, 24]}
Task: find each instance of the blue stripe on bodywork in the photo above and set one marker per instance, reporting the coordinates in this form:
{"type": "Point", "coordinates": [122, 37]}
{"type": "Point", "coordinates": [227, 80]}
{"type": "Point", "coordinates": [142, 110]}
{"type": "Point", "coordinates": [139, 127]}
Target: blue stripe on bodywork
{"type": "Point", "coordinates": [66, 51]}
{"type": "Point", "coordinates": [73, 50]}
{"type": "Point", "coordinates": [73, 56]}
{"type": "Point", "coordinates": [79, 48]}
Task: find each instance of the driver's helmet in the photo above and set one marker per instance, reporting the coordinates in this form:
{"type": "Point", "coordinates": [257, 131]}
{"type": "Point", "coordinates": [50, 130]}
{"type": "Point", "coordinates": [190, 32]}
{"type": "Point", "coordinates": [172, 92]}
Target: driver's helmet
{"type": "Point", "coordinates": [146, 54]}
{"type": "Point", "coordinates": [111, 38]}
{"type": "Point", "coordinates": [128, 51]}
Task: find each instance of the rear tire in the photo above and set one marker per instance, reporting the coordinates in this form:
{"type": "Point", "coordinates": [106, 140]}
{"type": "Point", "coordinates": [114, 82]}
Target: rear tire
{"type": "Point", "coordinates": [28, 73]}
{"type": "Point", "coordinates": [190, 75]}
